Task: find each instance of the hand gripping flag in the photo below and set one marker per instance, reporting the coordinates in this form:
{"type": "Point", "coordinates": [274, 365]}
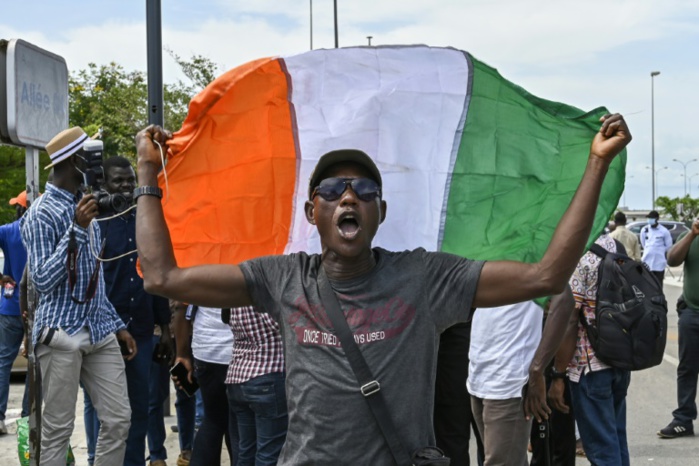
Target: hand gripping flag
{"type": "Point", "coordinates": [472, 164]}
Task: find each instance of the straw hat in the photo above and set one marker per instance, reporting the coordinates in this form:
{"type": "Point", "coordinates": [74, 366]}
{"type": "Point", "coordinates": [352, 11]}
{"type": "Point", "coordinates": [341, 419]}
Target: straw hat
{"type": "Point", "coordinates": [65, 144]}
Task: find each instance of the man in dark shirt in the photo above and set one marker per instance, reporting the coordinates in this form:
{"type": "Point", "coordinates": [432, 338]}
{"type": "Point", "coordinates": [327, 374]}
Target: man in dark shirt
{"type": "Point", "coordinates": [139, 310]}
{"type": "Point", "coordinates": [398, 302]}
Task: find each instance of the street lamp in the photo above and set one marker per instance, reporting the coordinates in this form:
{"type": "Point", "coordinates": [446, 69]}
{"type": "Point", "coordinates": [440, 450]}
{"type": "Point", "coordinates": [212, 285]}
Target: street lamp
{"type": "Point", "coordinates": [369, 39]}
{"type": "Point", "coordinates": [684, 166]}
{"type": "Point", "coordinates": [653, 74]}
{"type": "Point", "coordinates": [337, 42]}
{"type": "Point", "coordinates": [655, 176]}
{"type": "Point", "coordinates": [690, 183]}
{"type": "Point", "coordinates": [311, 29]}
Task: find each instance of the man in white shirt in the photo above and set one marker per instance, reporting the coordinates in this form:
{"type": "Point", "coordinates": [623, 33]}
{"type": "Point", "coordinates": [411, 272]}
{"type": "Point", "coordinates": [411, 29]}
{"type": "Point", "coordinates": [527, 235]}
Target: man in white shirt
{"type": "Point", "coordinates": [508, 353]}
{"type": "Point", "coordinates": [655, 240]}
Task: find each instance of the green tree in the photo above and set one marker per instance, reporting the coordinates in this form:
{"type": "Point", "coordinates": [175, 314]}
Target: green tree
{"type": "Point", "coordinates": [683, 209]}
{"type": "Point", "coordinates": [109, 98]}
{"type": "Point", "coordinates": [13, 179]}
{"type": "Point", "coordinates": [199, 69]}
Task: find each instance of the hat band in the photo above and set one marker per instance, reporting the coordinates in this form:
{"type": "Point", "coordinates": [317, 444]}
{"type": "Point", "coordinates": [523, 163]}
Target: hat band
{"type": "Point", "coordinates": [68, 150]}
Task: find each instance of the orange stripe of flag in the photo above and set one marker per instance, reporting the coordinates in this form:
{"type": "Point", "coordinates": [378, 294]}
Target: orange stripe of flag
{"type": "Point", "coordinates": [234, 159]}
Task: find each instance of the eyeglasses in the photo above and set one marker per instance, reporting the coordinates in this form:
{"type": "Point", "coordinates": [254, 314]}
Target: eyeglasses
{"type": "Point", "coordinates": [331, 189]}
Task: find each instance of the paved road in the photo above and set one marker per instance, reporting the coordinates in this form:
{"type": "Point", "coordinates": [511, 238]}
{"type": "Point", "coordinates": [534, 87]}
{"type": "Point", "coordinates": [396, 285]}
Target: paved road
{"type": "Point", "coordinates": [650, 403]}
{"type": "Point", "coordinates": [8, 443]}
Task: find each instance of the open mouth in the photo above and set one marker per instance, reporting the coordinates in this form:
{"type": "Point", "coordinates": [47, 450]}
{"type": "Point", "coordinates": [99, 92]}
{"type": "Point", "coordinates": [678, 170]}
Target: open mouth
{"type": "Point", "coordinates": [348, 226]}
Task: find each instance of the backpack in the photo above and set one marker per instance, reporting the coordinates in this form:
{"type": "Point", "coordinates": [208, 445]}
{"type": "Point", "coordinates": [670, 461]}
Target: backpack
{"type": "Point", "coordinates": [630, 328]}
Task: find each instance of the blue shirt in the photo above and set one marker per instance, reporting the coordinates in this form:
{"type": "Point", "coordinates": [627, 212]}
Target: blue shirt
{"type": "Point", "coordinates": [15, 260]}
{"type": "Point", "coordinates": [139, 310]}
{"type": "Point", "coordinates": [45, 232]}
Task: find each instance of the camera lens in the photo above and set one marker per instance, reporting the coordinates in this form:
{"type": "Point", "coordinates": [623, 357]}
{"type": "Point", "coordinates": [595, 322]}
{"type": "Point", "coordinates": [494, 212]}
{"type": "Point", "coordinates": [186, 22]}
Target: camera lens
{"type": "Point", "coordinates": [119, 203]}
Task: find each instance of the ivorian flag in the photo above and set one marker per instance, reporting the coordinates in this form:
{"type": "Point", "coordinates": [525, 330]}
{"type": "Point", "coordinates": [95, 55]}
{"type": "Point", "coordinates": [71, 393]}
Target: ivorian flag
{"type": "Point", "coordinates": [472, 164]}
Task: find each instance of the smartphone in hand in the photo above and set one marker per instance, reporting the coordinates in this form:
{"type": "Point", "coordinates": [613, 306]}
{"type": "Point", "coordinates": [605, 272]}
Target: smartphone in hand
{"type": "Point", "coordinates": [179, 371]}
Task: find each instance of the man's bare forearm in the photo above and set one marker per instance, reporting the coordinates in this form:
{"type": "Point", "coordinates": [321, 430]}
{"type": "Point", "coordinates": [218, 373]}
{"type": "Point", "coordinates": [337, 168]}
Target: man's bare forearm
{"type": "Point", "coordinates": [154, 245]}
{"type": "Point", "coordinates": [183, 332]}
{"type": "Point", "coordinates": [561, 308]}
{"type": "Point", "coordinates": [566, 350]}
{"type": "Point", "coordinates": [504, 282]}
{"type": "Point", "coordinates": [571, 235]}
{"type": "Point", "coordinates": [678, 253]}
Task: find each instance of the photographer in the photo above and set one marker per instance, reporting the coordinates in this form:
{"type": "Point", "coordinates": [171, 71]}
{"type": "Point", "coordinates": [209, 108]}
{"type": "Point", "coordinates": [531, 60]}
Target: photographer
{"type": "Point", "coordinates": [75, 325]}
{"type": "Point", "coordinates": [139, 310]}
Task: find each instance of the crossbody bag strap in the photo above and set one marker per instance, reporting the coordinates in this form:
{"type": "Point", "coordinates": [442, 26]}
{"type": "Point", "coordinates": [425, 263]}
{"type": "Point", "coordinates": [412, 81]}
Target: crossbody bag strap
{"type": "Point", "coordinates": [369, 387]}
{"type": "Point", "coordinates": [598, 250]}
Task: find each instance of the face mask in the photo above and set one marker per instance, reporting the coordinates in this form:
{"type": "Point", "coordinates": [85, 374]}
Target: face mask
{"type": "Point", "coordinates": [651, 221]}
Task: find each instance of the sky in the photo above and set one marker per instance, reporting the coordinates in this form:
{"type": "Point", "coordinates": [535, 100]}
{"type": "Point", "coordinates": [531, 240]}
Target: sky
{"type": "Point", "coordinates": [586, 54]}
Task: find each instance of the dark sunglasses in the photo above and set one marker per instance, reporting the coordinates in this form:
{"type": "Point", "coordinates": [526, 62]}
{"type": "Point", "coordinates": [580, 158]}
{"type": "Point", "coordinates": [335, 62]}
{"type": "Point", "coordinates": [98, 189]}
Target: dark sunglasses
{"type": "Point", "coordinates": [331, 189]}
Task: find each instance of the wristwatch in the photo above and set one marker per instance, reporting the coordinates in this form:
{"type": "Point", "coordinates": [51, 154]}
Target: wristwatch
{"type": "Point", "coordinates": [148, 191]}
{"type": "Point", "coordinates": [554, 374]}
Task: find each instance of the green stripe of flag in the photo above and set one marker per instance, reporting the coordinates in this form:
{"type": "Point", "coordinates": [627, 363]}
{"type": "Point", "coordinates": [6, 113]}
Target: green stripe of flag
{"type": "Point", "coordinates": [518, 164]}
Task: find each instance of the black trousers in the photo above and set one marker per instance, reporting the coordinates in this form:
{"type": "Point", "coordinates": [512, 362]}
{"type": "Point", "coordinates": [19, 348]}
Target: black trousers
{"type": "Point", "coordinates": [561, 436]}
{"type": "Point", "coordinates": [660, 275]}
{"type": "Point", "coordinates": [688, 368]}
{"type": "Point", "coordinates": [452, 408]}
{"type": "Point", "coordinates": [215, 427]}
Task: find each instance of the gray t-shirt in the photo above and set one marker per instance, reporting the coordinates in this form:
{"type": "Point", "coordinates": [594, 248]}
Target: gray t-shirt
{"type": "Point", "coordinates": [396, 313]}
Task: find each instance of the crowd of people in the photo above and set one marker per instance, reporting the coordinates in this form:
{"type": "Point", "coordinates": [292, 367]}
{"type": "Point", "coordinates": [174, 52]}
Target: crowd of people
{"type": "Point", "coordinates": [468, 352]}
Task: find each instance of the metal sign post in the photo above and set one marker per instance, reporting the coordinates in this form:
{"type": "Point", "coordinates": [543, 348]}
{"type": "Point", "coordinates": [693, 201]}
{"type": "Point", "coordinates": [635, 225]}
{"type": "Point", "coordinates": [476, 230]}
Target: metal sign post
{"type": "Point", "coordinates": [154, 45]}
{"type": "Point", "coordinates": [31, 163]}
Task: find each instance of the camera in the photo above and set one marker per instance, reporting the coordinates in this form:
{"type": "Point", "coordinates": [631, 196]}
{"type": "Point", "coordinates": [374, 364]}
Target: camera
{"type": "Point", "coordinates": [93, 177]}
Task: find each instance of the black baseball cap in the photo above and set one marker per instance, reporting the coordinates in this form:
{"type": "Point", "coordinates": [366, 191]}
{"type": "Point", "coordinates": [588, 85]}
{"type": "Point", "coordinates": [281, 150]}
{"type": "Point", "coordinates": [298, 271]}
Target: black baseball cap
{"type": "Point", "coordinates": [339, 156]}
{"type": "Point", "coordinates": [653, 214]}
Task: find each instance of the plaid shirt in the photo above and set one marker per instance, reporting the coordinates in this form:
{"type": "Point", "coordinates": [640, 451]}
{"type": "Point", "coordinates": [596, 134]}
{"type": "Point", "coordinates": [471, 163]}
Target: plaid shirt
{"type": "Point", "coordinates": [45, 233]}
{"type": "Point", "coordinates": [258, 346]}
{"type": "Point", "coordinates": [584, 285]}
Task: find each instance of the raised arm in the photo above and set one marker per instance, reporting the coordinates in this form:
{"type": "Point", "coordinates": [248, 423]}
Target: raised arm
{"type": "Point", "coordinates": [506, 282]}
{"type": "Point", "coordinates": [206, 285]}
{"type": "Point", "coordinates": [678, 253]}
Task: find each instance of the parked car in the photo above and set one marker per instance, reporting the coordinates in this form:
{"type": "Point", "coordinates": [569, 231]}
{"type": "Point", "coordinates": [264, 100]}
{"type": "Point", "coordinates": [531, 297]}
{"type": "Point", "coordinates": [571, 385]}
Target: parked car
{"type": "Point", "coordinates": [675, 228]}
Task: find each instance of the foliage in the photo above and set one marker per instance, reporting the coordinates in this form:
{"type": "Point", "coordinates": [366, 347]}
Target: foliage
{"type": "Point", "coordinates": [199, 69]}
{"type": "Point", "coordinates": [13, 179]}
{"type": "Point", "coordinates": [683, 209]}
{"type": "Point", "coordinates": [109, 98]}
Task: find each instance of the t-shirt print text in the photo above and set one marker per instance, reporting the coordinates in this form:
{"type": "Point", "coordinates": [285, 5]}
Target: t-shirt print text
{"type": "Point", "coordinates": [312, 325]}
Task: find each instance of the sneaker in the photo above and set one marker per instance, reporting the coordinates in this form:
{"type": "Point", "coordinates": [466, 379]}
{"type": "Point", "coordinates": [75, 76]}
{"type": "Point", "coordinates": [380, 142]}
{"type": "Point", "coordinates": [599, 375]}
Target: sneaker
{"type": "Point", "coordinates": [675, 429]}
{"type": "Point", "coordinates": [3, 428]}
{"type": "Point", "coordinates": [183, 459]}
{"type": "Point", "coordinates": [158, 463]}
